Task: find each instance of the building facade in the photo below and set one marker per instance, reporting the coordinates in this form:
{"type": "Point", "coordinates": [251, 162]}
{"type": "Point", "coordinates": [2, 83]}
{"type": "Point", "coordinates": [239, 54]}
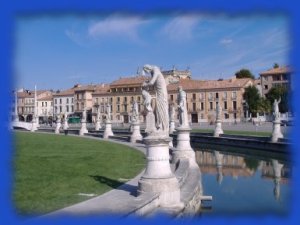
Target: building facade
{"type": "Point", "coordinates": [63, 102]}
{"type": "Point", "coordinates": [280, 76]}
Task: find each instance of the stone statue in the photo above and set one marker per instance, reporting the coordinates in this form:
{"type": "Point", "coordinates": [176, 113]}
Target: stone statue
{"type": "Point", "coordinates": [108, 111]}
{"type": "Point", "coordinates": [66, 116]}
{"type": "Point", "coordinates": [161, 110]}
{"type": "Point", "coordinates": [276, 108]}
{"type": "Point", "coordinates": [218, 112]}
{"type": "Point", "coordinates": [58, 118]}
{"type": "Point", "coordinates": [183, 116]}
{"type": "Point", "coordinates": [84, 115]}
{"type": "Point", "coordinates": [172, 112]}
{"type": "Point", "coordinates": [135, 111]}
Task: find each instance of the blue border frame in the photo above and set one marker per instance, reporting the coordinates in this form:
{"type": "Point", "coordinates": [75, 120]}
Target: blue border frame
{"type": "Point", "coordinates": [8, 14]}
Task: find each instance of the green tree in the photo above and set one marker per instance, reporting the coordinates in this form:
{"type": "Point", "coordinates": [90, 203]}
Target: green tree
{"type": "Point", "coordinates": [279, 92]}
{"type": "Point", "coordinates": [252, 97]}
{"type": "Point", "coordinates": [276, 65]}
{"type": "Point", "coordinates": [244, 73]}
{"type": "Point", "coordinates": [264, 105]}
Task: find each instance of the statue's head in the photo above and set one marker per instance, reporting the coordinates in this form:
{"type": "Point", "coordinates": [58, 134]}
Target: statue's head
{"type": "Point", "coordinates": [147, 68]}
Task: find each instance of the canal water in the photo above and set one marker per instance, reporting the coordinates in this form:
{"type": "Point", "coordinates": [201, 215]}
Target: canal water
{"type": "Point", "coordinates": [244, 181]}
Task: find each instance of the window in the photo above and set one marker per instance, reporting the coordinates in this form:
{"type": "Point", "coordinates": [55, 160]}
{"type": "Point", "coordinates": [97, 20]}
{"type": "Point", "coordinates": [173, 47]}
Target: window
{"type": "Point", "coordinates": [67, 100]}
{"type": "Point", "coordinates": [60, 109]}
{"type": "Point", "coordinates": [194, 96]}
{"type": "Point", "coordinates": [125, 100]}
{"type": "Point", "coordinates": [132, 99]}
{"type": "Point", "coordinates": [42, 104]}
{"type": "Point", "coordinates": [234, 105]}
{"type": "Point", "coordinates": [60, 101]}
{"type": "Point", "coordinates": [234, 94]}
{"type": "Point", "coordinates": [72, 108]}
{"type": "Point", "coordinates": [118, 108]}
{"type": "Point", "coordinates": [46, 104]}
{"type": "Point", "coordinates": [194, 106]}
{"type": "Point", "coordinates": [72, 100]}
{"type": "Point", "coordinates": [225, 94]}
{"type": "Point", "coordinates": [210, 105]}
{"type": "Point", "coordinates": [202, 106]}
{"type": "Point", "coordinates": [266, 87]}
{"type": "Point", "coordinates": [118, 99]}
{"type": "Point", "coordinates": [217, 95]}
{"type": "Point", "coordinates": [225, 105]}
{"type": "Point", "coordinates": [111, 100]}
{"type": "Point", "coordinates": [55, 101]}
{"type": "Point", "coordinates": [139, 98]}
{"type": "Point", "coordinates": [171, 97]}
{"type": "Point", "coordinates": [125, 107]}
{"type": "Point", "coordinates": [67, 108]}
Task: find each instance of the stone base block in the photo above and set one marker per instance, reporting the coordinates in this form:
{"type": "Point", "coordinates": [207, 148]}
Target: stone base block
{"type": "Point", "coordinates": [167, 188]}
{"type": "Point", "coordinates": [108, 131]}
{"type": "Point", "coordinates": [136, 133]}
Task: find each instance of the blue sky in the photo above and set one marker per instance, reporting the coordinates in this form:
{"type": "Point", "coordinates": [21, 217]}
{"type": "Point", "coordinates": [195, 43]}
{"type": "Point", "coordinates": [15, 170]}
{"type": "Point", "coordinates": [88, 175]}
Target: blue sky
{"type": "Point", "coordinates": [57, 51]}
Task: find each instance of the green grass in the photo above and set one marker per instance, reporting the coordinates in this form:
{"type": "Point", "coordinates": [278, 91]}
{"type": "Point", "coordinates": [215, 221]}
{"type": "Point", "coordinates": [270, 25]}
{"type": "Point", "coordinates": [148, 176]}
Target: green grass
{"type": "Point", "coordinates": [236, 132]}
{"type": "Point", "coordinates": [51, 170]}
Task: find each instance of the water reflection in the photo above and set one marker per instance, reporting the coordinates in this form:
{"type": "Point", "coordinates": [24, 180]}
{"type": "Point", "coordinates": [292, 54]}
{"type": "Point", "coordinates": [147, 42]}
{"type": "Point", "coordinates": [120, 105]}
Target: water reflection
{"type": "Point", "coordinates": [247, 181]}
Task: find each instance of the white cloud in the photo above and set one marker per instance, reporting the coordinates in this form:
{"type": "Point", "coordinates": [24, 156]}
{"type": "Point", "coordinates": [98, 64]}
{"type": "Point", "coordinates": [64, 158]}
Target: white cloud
{"type": "Point", "coordinates": [124, 26]}
{"type": "Point", "coordinates": [181, 27]}
{"type": "Point", "coordinates": [226, 41]}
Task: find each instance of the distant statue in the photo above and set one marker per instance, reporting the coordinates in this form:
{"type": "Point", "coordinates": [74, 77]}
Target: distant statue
{"type": "Point", "coordinates": [58, 118]}
{"type": "Point", "coordinates": [108, 111]}
{"type": "Point", "coordinates": [161, 110]}
{"type": "Point", "coordinates": [172, 112]}
{"type": "Point", "coordinates": [98, 114]}
{"type": "Point", "coordinates": [66, 116]}
{"type": "Point", "coordinates": [84, 115]}
{"type": "Point", "coordinates": [135, 111]}
{"type": "Point", "coordinates": [276, 108]}
{"type": "Point", "coordinates": [218, 112]}
{"type": "Point", "coordinates": [182, 108]}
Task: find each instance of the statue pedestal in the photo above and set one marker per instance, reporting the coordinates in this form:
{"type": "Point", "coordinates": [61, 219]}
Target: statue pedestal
{"type": "Point", "coordinates": [158, 177]}
{"type": "Point", "coordinates": [108, 131]}
{"type": "Point", "coordinates": [97, 125]}
{"type": "Point", "coordinates": [57, 128]}
{"type": "Point", "coordinates": [276, 133]}
{"type": "Point", "coordinates": [66, 125]}
{"type": "Point", "coordinates": [183, 148]}
{"type": "Point", "coordinates": [136, 134]}
{"type": "Point", "coordinates": [172, 127]}
{"type": "Point", "coordinates": [34, 126]}
{"type": "Point", "coordinates": [83, 129]}
{"type": "Point", "coordinates": [218, 128]}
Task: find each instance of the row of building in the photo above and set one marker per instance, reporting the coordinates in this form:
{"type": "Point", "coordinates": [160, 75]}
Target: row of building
{"type": "Point", "coordinates": [202, 97]}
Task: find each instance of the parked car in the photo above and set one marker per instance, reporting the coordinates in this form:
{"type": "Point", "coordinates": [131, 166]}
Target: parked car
{"type": "Point", "coordinates": [286, 123]}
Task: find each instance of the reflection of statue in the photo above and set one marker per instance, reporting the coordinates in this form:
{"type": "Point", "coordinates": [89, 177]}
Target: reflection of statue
{"type": "Point", "coordinates": [158, 82]}
{"type": "Point", "coordinates": [277, 167]}
{"type": "Point", "coordinates": [276, 108]}
{"type": "Point", "coordinates": [183, 117]}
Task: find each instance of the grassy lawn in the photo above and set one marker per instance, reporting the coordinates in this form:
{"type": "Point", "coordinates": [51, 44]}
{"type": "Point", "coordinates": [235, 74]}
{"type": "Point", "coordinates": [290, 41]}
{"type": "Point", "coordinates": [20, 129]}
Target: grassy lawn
{"type": "Point", "coordinates": [235, 132]}
{"type": "Point", "coordinates": [50, 170]}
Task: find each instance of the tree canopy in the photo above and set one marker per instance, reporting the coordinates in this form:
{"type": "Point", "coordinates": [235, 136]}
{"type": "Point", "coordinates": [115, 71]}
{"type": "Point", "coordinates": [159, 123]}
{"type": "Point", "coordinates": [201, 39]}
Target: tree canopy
{"type": "Point", "coordinates": [252, 97]}
{"type": "Point", "coordinates": [244, 73]}
{"type": "Point", "coordinates": [276, 65]}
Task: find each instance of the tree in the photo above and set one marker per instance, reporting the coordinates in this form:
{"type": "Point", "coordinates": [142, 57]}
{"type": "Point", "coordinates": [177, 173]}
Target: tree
{"type": "Point", "coordinates": [252, 97]}
{"type": "Point", "coordinates": [276, 65]}
{"type": "Point", "coordinates": [244, 73]}
{"type": "Point", "coordinates": [279, 92]}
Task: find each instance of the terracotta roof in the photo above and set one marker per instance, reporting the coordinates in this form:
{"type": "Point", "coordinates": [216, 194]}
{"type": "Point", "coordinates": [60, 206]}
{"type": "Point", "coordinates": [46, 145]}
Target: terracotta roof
{"type": "Point", "coordinates": [278, 70]}
{"type": "Point", "coordinates": [30, 93]}
{"type": "Point", "coordinates": [89, 87]}
{"type": "Point", "coordinates": [137, 80]}
{"type": "Point", "coordinates": [67, 92]}
{"type": "Point", "coordinates": [102, 88]}
{"type": "Point", "coordinates": [46, 98]}
{"type": "Point", "coordinates": [209, 84]}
